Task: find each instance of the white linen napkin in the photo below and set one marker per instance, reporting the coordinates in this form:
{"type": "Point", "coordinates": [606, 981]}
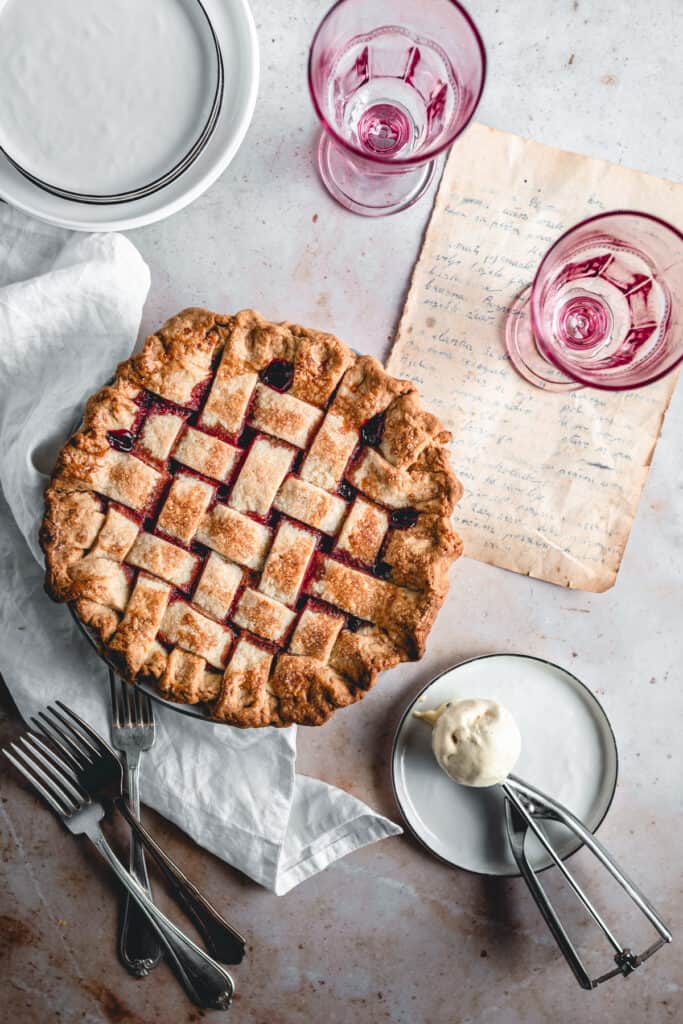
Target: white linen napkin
{"type": "Point", "coordinates": [70, 307]}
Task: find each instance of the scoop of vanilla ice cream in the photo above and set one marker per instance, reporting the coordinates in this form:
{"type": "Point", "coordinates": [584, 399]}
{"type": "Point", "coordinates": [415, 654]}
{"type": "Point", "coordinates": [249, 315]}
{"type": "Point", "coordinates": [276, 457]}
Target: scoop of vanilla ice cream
{"type": "Point", "coordinates": [475, 741]}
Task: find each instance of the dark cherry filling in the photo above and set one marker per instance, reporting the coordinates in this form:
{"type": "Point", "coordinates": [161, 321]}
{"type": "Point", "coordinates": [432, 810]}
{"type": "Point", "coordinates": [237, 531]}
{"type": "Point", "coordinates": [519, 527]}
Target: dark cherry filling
{"type": "Point", "coordinates": [278, 375]}
{"type": "Point", "coordinates": [372, 430]}
{"type": "Point", "coordinates": [246, 437]}
{"type": "Point", "coordinates": [346, 491]}
{"type": "Point", "coordinates": [382, 570]}
{"type": "Point", "coordinates": [354, 624]}
{"type": "Point", "coordinates": [403, 518]}
{"type": "Point", "coordinates": [326, 543]}
{"type": "Point", "coordinates": [121, 440]}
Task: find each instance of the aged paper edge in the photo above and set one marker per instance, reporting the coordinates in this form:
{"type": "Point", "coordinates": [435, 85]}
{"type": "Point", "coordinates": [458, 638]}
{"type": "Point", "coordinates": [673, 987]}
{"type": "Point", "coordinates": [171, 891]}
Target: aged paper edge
{"type": "Point", "coordinates": [609, 579]}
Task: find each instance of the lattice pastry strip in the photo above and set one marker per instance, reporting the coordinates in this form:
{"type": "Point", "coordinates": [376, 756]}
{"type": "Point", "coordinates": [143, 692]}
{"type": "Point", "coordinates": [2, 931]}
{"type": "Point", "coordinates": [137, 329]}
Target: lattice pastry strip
{"type": "Point", "coordinates": [163, 559]}
{"type": "Point", "coordinates": [263, 616]}
{"type": "Point", "coordinates": [218, 584]}
{"type": "Point", "coordinates": [115, 537]}
{"type": "Point", "coordinates": [316, 633]}
{"type": "Point", "coordinates": [264, 469]}
{"type": "Point", "coordinates": [310, 505]}
{"type": "Point", "coordinates": [283, 416]}
{"type": "Point", "coordinates": [190, 629]}
{"type": "Point", "coordinates": [142, 618]}
{"type": "Point", "coordinates": [228, 400]}
{"type": "Point", "coordinates": [328, 456]}
{"type": "Point", "coordinates": [101, 580]}
{"type": "Point", "coordinates": [245, 685]}
{"type": "Point", "coordinates": [287, 562]}
{"type": "Point", "coordinates": [363, 531]}
{"type": "Point", "coordinates": [125, 479]}
{"type": "Point", "coordinates": [353, 591]}
{"type": "Point", "coordinates": [235, 536]}
{"type": "Point", "coordinates": [208, 455]}
{"type": "Point", "coordinates": [186, 679]}
{"type": "Point", "coordinates": [159, 433]}
{"type": "Point", "coordinates": [185, 507]}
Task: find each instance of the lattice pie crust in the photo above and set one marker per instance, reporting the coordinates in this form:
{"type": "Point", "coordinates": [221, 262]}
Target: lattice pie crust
{"type": "Point", "coordinates": [255, 517]}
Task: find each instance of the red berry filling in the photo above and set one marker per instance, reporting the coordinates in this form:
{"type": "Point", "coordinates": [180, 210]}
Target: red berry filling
{"type": "Point", "coordinates": [278, 375]}
{"type": "Point", "coordinates": [372, 430]}
{"type": "Point", "coordinates": [121, 440]}
{"type": "Point", "coordinates": [403, 518]}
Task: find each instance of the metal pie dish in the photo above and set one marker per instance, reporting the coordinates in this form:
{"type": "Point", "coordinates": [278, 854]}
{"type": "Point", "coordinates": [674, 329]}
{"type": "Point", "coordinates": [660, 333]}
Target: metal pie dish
{"type": "Point", "coordinates": [464, 826]}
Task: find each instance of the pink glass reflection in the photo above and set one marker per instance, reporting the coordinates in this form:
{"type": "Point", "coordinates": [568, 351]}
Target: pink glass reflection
{"type": "Point", "coordinates": [393, 82]}
{"type": "Point", "coordinates": [605, 308]}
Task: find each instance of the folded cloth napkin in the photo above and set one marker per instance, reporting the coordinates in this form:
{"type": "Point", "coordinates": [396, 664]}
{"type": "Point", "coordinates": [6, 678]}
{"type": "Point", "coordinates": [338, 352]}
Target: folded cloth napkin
{"type": "Point", "coordinates": [70, 307]}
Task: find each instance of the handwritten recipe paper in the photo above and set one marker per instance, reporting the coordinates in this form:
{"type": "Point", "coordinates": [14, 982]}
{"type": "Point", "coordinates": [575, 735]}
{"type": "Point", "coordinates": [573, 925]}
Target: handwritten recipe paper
{"type": "Point", "coordinates": [552, 480]}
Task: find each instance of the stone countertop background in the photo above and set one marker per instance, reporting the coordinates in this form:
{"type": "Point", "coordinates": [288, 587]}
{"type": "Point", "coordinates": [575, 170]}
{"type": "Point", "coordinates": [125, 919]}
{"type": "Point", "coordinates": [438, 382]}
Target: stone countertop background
{"type": "Point", "coordinates": [389, 934]}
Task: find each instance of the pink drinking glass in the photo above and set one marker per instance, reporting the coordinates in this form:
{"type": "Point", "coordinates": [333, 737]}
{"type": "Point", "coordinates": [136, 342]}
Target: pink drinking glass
{"type": "Point", "coordinates": [394, 82]}
{"type": "Point", "coordinates": [605, 309]}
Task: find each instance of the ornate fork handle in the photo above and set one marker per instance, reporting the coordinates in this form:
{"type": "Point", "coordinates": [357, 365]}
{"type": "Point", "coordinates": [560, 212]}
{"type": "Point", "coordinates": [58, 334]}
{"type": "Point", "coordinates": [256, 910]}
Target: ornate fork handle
{"type": "Point", "coordinates": [207, 983]}
{"type": "Point", "coordinates": [222, 941]}
{"type": "Point", "coordinates": [139, 947]}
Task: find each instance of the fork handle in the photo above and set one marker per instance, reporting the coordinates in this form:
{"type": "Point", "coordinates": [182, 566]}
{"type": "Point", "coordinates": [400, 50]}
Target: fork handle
{"type": "Point", "coordinates": [139, 948]}
{"type": "Point", "coordinates": [222, 941]}
{"type": "Point", "coordinates": [207, 983]}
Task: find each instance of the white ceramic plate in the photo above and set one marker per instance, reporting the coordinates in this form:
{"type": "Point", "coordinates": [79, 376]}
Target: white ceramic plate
{"type": "Point", "coordinates": [96, 139]}
{"type": "Point", "coordinates": [568, 751]}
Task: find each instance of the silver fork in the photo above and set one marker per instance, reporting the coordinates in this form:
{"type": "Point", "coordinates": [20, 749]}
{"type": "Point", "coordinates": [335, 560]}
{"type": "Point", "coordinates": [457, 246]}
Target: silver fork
{"type": "Point", "coordinates": [132, 731]}
{"type": "Point", "coordinates": [64, 783]}
{"type": "Point", "coordinates": [101, 777]}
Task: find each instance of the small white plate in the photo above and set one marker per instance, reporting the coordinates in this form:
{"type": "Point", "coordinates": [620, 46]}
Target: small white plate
{"type": "Point", "coordinates": [568, 751]}
{"type": "Point", "coordinates": [138, 126]}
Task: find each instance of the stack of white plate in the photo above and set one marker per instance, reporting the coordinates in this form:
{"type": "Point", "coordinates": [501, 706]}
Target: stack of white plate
{"type": "Point", "coordinates": [116, 113]}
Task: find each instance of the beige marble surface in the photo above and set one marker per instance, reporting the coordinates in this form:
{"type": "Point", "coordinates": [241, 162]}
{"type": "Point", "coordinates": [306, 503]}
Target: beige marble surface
{"type": "Point", "coordinates": [388, 934]}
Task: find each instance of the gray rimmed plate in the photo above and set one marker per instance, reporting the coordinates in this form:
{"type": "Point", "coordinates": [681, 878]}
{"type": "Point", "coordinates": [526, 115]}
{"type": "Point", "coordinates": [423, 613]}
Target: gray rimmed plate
{"type": "Point", "coordinates": [568, 750]}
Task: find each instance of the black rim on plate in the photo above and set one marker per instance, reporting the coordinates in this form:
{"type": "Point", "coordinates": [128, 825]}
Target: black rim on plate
{"type": "Point", "coordinates": [95, 199]}
{"type": "Point", "coordinates": [482, 657]}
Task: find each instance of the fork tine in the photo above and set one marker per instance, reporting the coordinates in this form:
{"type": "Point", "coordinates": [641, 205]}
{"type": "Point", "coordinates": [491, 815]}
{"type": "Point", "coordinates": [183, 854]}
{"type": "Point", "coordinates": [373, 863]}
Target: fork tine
{"type": "Point", "coordinates": [59, 804]}
{"type": "Point", "coordinates": [115, 703]}
{"type": "Point", "coordinates": [48, 728]}
{"type": "Point", "coordinates": [146, 708]}
{"type": "Point", "coordinates": [65, 765]}
{"type": "Point", "coordinates": [55, 767]}
{"type": "Point", "coordinates": [134, 706]}
{"type": "Point", "coordinates": [142, 714]}
{"type": "Point", "coordinates": [89, 750]}
{"type": "Point", "coordinates": [128, 709]}
{"type": "Point", "coordinates": [100, 746]}
{"type": "Point", "coordinates": [137, 704]}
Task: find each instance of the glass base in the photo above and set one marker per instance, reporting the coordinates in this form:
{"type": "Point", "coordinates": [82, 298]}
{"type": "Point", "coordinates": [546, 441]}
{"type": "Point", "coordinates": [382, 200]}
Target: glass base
{"type": "Point", "coordinates": [370, 194]}
{"type": "Point", "coordinates": [524, 355]}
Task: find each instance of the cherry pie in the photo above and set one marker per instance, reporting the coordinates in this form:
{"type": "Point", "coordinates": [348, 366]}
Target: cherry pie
{"type": "Point", "coordinates": [255, 517]}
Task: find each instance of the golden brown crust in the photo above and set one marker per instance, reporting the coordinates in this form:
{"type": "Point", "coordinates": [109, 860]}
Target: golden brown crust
{"type": "Point", "coordinates": [367, 389]}
{"type": "Point", "coordinates": [307, 691]}
{"type": "Point", "coordinates": [359, 657]}
{"type": "Point", "coordinates": [421, 556]}
{"type": "Point", "coordinates": [187, 396]}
